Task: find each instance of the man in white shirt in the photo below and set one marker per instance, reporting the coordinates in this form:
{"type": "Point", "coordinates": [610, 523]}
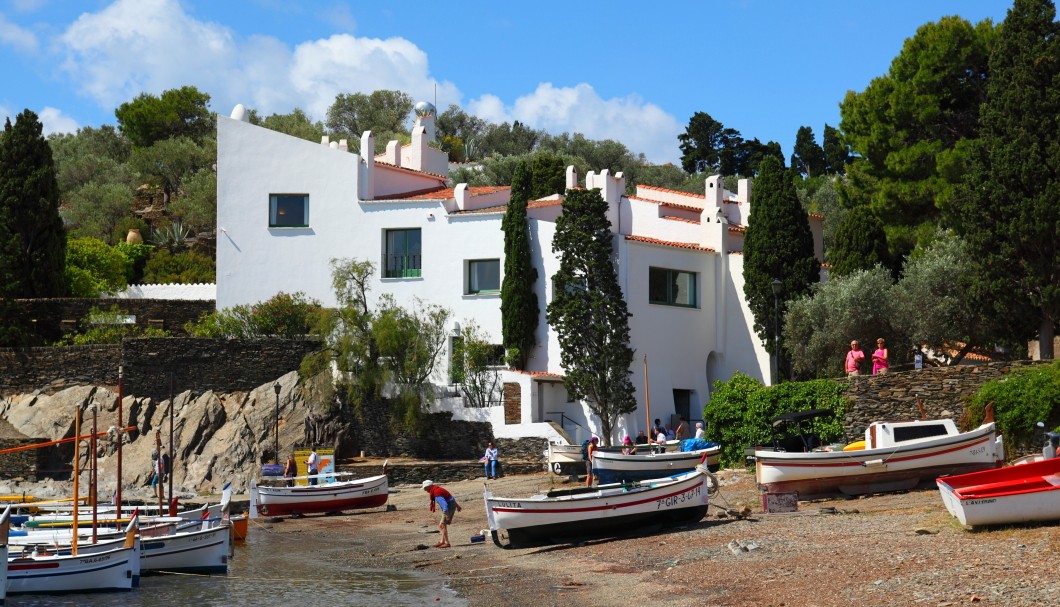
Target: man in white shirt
{"type": "Point", "coordinates": [313, 463]}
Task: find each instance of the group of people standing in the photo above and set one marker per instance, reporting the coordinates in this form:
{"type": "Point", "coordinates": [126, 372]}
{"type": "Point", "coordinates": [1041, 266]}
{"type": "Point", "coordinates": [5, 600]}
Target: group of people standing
{"type": "Point", "coordinates": [856, 358]}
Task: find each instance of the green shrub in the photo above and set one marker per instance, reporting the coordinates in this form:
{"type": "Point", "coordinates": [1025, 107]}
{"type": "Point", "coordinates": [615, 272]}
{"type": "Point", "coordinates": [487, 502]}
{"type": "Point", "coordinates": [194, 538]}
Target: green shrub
{"type": "Point", "coordinates": [186, 267]}
{"type": "Point", "coordinates": [282, 315]}
{"type": "Point", "coordinates": [107, 327]}
{"type": "Point", "coordinates": [93, 267]}
{"type": "Point", "coordinates": [136, 255]}
{"type": "Point", "coordinates": [1021, 399]}
{"type": "Point", "coordinates": [741, 411]}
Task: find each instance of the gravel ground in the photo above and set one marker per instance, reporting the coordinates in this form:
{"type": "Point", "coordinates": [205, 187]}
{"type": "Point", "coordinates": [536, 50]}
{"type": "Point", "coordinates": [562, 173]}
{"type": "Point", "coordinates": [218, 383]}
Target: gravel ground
{"type": "Point", "coordinates": [896, 549]}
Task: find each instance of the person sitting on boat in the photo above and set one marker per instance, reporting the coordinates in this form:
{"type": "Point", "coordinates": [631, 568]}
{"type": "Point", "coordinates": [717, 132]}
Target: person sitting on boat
{"type": "Point", "coordinates": [660, 442]}
{"type": "Point", "coordinates": [681, 433]}
{"type": "Point", "coordinates": [657, 427]}
{"type": "Point", "coordinates": [700, 433]}
{"type": "Point", "coordinates": [627, 447]}
{"type": "Point", "coordinates": [491, 461]}
{"type": "Point", "coordinates": [669, 433]}
{"type": "Point", "coordinates": [313, 463]}
{"type": "Point", "coordinates": [290, 470]}
{"type": "Point", "coordinates": [641, 439]}
{"type": "Point", "coordinates": [442, 499]}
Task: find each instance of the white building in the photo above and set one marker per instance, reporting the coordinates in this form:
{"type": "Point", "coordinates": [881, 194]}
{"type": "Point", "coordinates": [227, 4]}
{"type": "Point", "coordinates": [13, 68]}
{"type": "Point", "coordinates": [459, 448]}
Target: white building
{"type": "Point", "coordinates": [286, 207]}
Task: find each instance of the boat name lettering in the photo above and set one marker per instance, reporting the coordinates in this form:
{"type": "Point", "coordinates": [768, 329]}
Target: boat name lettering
{"type": "Point", "coordinates": [978, 450]}
{"type": "Point", "coordinates": [509, 505]}
{"type": "Point", "coordinates": [97, 559]}
{"type": "Point", "coordinates": [980, 502]}
{"type": "Point", "coordinates": [680, 498]}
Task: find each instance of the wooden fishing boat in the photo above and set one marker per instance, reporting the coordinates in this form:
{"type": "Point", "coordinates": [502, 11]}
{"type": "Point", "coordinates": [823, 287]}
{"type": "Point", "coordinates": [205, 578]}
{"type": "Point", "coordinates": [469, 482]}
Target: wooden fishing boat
{"type": "Point", "coordinates": [612, 467]}
{"type": "Point", "coordinates": [205, 550]}
{"type": "Point", "coordinates": [107, 570]}
{"type": "Point", "coordinates": [337, 496]}
{"type": "Point", "coordinates": [563, 515]}
{"type": "Point", "coordinates": [5, 525]}
{"type": "Point", "coordinates": [1013, 494]}
{"type": "Point", "coordinates": [897, 456]}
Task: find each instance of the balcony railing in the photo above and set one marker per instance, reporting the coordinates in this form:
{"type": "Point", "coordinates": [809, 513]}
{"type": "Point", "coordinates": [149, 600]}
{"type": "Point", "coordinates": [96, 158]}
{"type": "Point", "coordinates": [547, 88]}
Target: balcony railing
{"type": "Point", "coordinates": [401, 266]}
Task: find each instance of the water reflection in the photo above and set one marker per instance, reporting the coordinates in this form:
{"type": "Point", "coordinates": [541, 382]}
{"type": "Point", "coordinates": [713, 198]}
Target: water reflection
{"type": "Point", "coordinates": [271, 570]}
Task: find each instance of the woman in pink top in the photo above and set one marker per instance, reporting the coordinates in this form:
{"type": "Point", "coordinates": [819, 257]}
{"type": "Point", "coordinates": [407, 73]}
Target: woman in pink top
{"type": "Point", "coordinates": [879, 358]}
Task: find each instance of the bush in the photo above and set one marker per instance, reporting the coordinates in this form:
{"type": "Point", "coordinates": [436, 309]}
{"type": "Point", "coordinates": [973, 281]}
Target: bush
{"type": "Point", "coordinates": [136, 256]}
{"type": "Point", "coordinates": [741, 411]}
{"type": "Point", "coordinates": [282, 315]}
{"type": "Point", "coordinates": [186, 267]}
{"type": "Point", "coordinates": [93, 267]}
{"type": "Point", "coordinates": [107, 327]}
{"type": "Point", "coordinates": [1021, 399]}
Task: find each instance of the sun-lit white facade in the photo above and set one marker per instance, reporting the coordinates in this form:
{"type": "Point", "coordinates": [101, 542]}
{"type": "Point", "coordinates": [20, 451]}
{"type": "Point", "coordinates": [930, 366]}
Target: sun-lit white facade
{"type": "Point", "coordinates": [287, 206]}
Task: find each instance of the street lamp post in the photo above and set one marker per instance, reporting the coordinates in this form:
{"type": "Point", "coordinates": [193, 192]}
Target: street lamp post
{"type": "Point", "coordinates": [777, 287]}
{"type": "Point", "coordinates": [276, 433]}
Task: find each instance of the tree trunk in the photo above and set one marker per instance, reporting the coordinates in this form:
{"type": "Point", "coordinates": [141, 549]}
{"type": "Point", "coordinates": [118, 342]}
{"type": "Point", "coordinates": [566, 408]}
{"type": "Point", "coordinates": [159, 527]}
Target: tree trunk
{"type": "Point", "coordinates": [1045, 339]}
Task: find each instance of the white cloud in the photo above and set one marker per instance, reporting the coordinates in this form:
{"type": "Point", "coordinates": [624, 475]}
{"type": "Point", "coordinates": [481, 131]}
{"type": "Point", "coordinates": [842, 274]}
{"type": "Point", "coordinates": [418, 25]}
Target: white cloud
{"type": "Point", "coordinates": [21, 39]}
{"type": "Point", "coordinates": [136, 46]}
{"type": "Point", "coordinates": [641, 126]}
{"type": "Point", "coordinates": [54, 121]}
{"type": "Point", "coordinates": [27, 6]}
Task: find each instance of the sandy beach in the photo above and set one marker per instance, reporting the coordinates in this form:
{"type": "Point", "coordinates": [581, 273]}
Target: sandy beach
{"type": "Point", "coordinates": [896, 549]}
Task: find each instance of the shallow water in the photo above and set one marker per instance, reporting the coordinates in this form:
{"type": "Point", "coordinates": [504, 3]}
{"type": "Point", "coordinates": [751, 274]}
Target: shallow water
{"type": "Point", "coordinates": [271, 571]}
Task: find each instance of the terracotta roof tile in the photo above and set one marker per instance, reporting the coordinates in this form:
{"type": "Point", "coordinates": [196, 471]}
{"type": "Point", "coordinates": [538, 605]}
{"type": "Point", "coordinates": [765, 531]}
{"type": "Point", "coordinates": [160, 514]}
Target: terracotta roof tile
{"type": "Point", "coordinates": [737, 229]}
{"type": "Point", "coordinates": [413, 171]}
{"type": "Point", "coordinates": [442, 193]}
{"type": "Point", "coordinates": [683, 207]}
{"type": "Point", "coordinates": [672, 218]}
{"type": "Point", "coordinates": [540, 375]}
{"type": "Point", "coordinates": [816, 216]}
{"type": "Point", "coordinates": [680, 245]}
{"type": "Point", "coordinates": [731, 202]}
{"type": "Point", "coordinates": [658, 189]}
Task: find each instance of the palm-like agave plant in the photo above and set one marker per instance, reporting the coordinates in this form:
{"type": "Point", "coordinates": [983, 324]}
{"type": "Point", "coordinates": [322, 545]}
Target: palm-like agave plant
{"type": "Point", "coordinates": [173, 236]}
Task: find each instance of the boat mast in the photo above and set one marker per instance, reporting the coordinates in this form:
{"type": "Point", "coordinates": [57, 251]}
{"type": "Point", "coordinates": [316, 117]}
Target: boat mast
{"type": "Point", "coordinates": [647, 401]}
{"type": "Point", "coordinates": [77, 474]}
{"type": "Point", "coordinates": [172, 450]}
{"type": "Point", "coordinates": [95, 464]}
{"type": "Point", "coordinates": [158, 472]}
{"type": "Point", "coordinates": [121, 439]}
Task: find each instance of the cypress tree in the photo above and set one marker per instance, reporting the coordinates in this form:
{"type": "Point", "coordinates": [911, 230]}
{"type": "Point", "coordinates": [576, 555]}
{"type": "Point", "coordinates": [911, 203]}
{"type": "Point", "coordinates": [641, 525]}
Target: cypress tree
{"type": "Point", "coordinates": [860, 243]}
{"type": "Point", "coordinates": [32, 237]}
{"type": "Point", "coordinates": [589, 312]}
{"type": "Point", "coordinates": [778, 245]}
{"type": "Point", "coordinates": [519, 308]}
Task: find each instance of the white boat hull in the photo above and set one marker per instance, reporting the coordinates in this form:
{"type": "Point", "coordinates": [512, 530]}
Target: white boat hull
{"type": "Point", "coordinates": [368, 492]}
{"type": "Point", "coordinates": [1015, 494]}
{"type": "Point", "coordinates": [105, 571]}
{"type": "Point", "coordinates": [891, 468]}
{"type": "Point", "coordinates": [202, 551]}
{"type": "Point", "coordinates": [617, 468]}
{"type": "Point", "coordinates": [598, 510]}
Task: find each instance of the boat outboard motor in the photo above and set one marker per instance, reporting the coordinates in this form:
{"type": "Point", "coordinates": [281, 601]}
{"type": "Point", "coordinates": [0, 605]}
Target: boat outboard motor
{"type": "Point", "coordinates": [1052, 441]}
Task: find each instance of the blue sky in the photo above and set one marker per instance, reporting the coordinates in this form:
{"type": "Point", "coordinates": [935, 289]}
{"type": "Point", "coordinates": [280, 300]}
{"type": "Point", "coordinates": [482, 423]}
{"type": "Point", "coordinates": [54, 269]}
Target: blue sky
{"type": "Point", "coordinates": [625, 71]}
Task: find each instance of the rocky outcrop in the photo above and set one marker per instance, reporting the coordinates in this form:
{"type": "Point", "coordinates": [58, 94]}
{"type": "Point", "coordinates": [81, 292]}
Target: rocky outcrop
{"type": "Point", "coordinates": [218, 437]}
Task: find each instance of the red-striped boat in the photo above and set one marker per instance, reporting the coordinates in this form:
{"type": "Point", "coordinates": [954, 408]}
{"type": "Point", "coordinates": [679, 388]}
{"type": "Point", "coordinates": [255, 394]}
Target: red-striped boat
{"type": "Point", "coordinates": [337, 496]}
{"type": "Point", "coordinates": [571, 514]}
{"type": "Point", "coordinates": [896, 456]}
{"type": "Point", "coordinates": [1013, 494]}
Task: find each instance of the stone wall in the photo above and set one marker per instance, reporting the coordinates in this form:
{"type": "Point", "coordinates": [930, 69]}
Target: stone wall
{"type": "Point", "coordinates": [52, 318]}
{"type": "Point", "coordinates": [23, 465]}
{"type": "Point", "coordinates": [438, 436]}
{"type": "Point", "coordinates": [52, 370]}
{"type": "Point", "coordinates": [199, 365]}
{"type": "Point", "coordinates": [942, 390]}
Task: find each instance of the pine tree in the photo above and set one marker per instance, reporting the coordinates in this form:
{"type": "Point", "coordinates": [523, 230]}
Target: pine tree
{"type": "Point", "coordinates": [859, 244]}
{"type": "Point", "coordinates": [589, 313]}
{"type": "Point", "coordinates": [808, 158]}
{"type": "Point", "coordinates": [1007, 208]}
{"type": "Point", "coordinates": [32, 237]}
{"type": "Point", "coordinates": [778, 245]}
{"type": "Point", "coordinates": [519, 308]}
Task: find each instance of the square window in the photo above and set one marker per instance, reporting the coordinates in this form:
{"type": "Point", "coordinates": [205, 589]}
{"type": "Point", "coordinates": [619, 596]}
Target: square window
{"type": "Point", "coordinates": [672, 287]}
{"type": "Point", "coordinates": [483, 276]}
{"type": "Point", "coordinates": [288, 210]}
{"type": "Point", "coordinates": [403, 254]}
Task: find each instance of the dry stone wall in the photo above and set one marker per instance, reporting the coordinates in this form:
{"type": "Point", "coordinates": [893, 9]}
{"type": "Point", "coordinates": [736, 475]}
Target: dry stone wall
{"type": "Point", "coordinates": [942, 390]}
{"type": "Point", "coordinates": [52, 318]}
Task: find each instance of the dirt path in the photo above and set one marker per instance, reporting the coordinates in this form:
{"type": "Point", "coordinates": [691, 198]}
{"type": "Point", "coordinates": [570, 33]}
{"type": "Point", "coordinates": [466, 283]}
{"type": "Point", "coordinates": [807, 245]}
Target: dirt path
{"type": "Point", "coordinates": [900, 549]}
